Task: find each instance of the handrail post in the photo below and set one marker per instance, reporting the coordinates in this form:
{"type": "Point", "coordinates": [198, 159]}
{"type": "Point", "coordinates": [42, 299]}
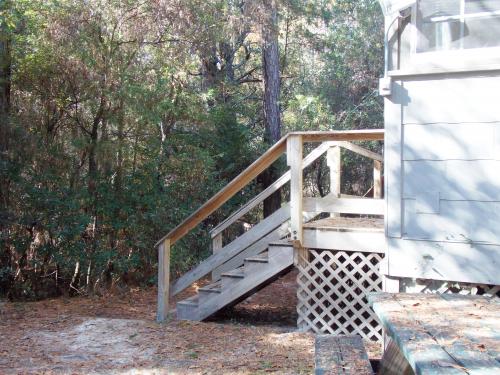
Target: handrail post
{"type": "Point", "coordinates": [217, 243]}
{"type": "Point", "coordinates": [377, 179]}
{"type": "Point", "coordinates": [294, 152]}
{"type": "Point", "coordinates": [334, 162]}
{"type": "Point", "coordinates": [216, 246]}
{"type": "Point", "coordinates": [163, 280]}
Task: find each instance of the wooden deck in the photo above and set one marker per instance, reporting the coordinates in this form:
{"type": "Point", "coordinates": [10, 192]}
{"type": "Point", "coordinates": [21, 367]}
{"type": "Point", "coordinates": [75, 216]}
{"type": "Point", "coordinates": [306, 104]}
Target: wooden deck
{"type": "Point", "coordinates": [348, 224]}
{"type": "Point", "coordinates": [443, 334]}
{"type": "Point", "coordinates": [346, 233]}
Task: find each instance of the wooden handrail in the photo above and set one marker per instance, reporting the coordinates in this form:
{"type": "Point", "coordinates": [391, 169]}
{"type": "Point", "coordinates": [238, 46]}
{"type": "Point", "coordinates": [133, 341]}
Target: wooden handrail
{"type": "Point", "coordinates": [308, 160]}
{"type": "Point", "coordinates": [256, 168]}
{"type": "Point", "coordinates": [361, 151]}
{"type": "Point", "coordinates": [238, 183]}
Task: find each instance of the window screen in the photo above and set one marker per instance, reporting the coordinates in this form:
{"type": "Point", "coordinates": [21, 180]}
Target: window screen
{"type": "Point", "coordinates": [457, 24]}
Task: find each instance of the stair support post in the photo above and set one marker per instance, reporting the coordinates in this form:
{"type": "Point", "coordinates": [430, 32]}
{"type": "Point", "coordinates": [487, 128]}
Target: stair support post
{"type": "Point", "coordinates": [295, 150]}
{"type": "Point", "coordinates": [163, 280]}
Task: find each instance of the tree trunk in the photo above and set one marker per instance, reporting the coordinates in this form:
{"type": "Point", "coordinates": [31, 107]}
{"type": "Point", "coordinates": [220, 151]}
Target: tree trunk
{"type": "Point", "coordinates": [271, 72]}
{"type": "Point", "coordinates": [5, 85]}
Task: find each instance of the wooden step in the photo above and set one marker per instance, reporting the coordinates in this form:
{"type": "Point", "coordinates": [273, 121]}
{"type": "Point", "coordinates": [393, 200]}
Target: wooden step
{"type": "Point", "coordinates": [229, 279]}
{"type": "Point", "coordinates": [238, 284]}
{"type": "Point", "coordinates": [254, 264]}
{"type": "Point", "coordinates": [341, 355]}
{"type": "Point", "coordinates": [205, 292]}
{"type": "Point", "coordinates": [188, 308]}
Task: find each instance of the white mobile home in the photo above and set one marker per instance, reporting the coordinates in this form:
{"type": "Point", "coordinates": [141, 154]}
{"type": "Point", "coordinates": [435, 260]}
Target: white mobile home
{"type": "Point", "coordinates": [442, 143]}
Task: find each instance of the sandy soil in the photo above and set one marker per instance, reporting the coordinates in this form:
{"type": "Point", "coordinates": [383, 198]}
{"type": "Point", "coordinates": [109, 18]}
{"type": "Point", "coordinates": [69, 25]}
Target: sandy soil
{"type": "Point", "coordinates": [117, 334]}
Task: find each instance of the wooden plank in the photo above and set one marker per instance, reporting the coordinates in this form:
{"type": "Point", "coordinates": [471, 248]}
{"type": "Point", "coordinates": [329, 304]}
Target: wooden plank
{"type": "Point", "coordinates": [342, 135]}
{"type": "Point", "coordinates": [232, 249]}
{"type": "Point", "coordinates": [344, 354]}
{"type": "Point", "coordinates": [361, 151]}
{"type": "Point", "coordinates": [377, 179]}
{"type": "Point", "coordinates": [394, 362]}
{"type": "Point", "coordinates": [334, 162]}
{"type": "Point", "coordinates": [461, 262]}
{"type": "Point", "coordinates": [358, 206]}
{"type": "Point", "coordinates": [253, 250]}
{"type": "Point", "coordinates": [445, 339]}
{"type": "Point", "coordinates": [163, 280]}
{"type": "Point", "coordinates": [419, 349]}
{"type": "Point", "coordinates": [280, 182]}
{"type": "Point", "coordinates": [277, 263]}
{"type": "Point", "coordinates": [294, 159]}
{"type": "Point", "coordinates": [216, 243]}
{"type": "Point", "coordinates": [239, 182]}
{"type": "Point", "coordinates": [359, 239]}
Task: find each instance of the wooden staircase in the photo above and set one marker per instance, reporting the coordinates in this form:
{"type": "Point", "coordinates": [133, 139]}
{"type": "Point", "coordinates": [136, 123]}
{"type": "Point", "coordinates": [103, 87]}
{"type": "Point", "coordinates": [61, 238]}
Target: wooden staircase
{"type": "Point", "coordinates": [270, 248]}
{"type": "Point", "coordinates": [236, 285]}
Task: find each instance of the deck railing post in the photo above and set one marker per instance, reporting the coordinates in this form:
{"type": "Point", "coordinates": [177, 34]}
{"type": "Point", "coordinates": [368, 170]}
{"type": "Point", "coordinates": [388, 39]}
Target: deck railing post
{"type": "Point", "coordinates": [294, 160]}
{"type": "Point", "coordinates": [377, 179]}
{"type": "Point", "coordinates": [163, 280]}
{"type": "Point", "coordinates": [217, 243]}
{"type": "Point", "coordinates": [334, 162]}
{"type": "Point", "coordinates": [294, 152]}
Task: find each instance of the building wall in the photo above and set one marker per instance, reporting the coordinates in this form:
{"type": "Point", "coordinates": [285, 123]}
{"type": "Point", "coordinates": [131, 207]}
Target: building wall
{"type": "Point", "coordinates": [442, 171]}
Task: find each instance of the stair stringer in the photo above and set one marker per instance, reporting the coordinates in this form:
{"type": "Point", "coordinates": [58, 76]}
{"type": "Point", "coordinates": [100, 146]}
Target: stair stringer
{"type": "Point", "coordinates": [279, 259]}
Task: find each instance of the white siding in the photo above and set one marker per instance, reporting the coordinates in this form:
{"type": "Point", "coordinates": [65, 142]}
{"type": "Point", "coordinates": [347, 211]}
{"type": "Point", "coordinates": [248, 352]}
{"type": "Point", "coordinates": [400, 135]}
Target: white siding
{"type": "Point", "coordinates": [454, 98]}
{"type": "Point", "coordinates": [472, 180]}
{"type": "Point", "coordinates": [445, 181]}
{"type": "Point", "coordinates": [457, 221]}
{"type": "Point", "coordinates": [451, 141]}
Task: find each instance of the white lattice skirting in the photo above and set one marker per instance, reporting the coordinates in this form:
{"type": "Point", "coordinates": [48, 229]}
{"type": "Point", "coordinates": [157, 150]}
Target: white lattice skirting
{"type": "Point", "coordinates": [332, 288]}
{"type": "Point", "coordinates": [441, 287]}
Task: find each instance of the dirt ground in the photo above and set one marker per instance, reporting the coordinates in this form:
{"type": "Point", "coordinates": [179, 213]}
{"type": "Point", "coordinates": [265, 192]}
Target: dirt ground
{"type": "Point", "coordinates": [117, 334]}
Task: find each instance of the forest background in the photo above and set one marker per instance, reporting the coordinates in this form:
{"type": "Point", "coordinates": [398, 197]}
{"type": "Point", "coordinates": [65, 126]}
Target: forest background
{"type": "Point", "coordinates": [119, 118]}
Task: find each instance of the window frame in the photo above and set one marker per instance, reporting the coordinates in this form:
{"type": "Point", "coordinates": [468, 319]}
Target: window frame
{"type": "Point", "coordinates": [457, 60]}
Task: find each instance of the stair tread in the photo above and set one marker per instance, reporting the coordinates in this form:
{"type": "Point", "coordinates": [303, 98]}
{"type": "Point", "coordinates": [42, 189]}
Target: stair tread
{"type": "Point", "coordinates": [191, 301]}
{"type": "Point", "coordinates": [281, 243]}
{"type": "Point", "coordinates": [237, 273]}
{"type": "Point", "coordinates": [261, 258]}
{"type": "Point", "coordinates": [211, 288]}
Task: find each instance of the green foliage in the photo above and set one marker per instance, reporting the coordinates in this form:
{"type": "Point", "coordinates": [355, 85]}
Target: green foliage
{"type": "Point", "coordinates": [127, 116]}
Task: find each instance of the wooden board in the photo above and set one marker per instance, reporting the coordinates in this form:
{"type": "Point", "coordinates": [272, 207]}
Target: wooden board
{"type": "Point", "coordinates": [463, 262]}
{"type": "Point", "coordinates": [450, 334]}
{"type": "Point", "coordinates": [231, 250]}
{"type": "Point", "coordinates": [355, 205]}
{"type": "Point", "coordinates": [336, 355]}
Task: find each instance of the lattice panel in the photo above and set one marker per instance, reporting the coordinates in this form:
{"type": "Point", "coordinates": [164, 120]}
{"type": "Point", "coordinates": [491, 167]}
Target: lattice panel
{"type": "Point", "coordinates": [441, 287]}
{"type": "Point", "coordinates": [332, 288]}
